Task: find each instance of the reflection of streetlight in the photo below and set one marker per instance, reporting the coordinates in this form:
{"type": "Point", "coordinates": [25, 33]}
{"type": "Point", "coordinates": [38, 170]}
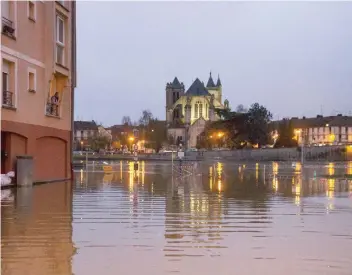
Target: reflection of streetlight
{"type": "Point", "coordinates": [220, 134]}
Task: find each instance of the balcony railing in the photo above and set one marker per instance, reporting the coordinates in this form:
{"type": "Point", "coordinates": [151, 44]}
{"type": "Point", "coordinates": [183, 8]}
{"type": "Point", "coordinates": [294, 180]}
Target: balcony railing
{"type": "Point", "coordinates": [7, 98]}
{"type": "Point", "coordinates": [7, 27]}
{"type": "Point", "coordinates": [52, 109]}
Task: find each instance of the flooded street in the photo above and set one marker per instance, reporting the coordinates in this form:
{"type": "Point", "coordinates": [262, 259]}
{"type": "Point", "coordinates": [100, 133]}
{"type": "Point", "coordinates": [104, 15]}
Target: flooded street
{"type": "Point", "coordinates": [223, 219]}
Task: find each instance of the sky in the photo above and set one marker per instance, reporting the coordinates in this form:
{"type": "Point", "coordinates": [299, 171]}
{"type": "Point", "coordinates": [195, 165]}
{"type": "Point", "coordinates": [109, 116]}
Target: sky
{"type": "Point", "coordinates": [295, 58]}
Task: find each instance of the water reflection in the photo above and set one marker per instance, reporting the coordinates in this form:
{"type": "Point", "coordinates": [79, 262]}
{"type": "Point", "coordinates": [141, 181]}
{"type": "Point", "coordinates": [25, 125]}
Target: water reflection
{"type": "Point", "coordinates": [138, 219]}
{"type": "Point", "coordinates": [36, 231]}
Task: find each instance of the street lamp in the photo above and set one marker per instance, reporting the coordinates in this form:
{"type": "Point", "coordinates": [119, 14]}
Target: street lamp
{"type": "Point", "coordinates": [81, 145]}
{"type": "Point", "coordinates": [131, 139]}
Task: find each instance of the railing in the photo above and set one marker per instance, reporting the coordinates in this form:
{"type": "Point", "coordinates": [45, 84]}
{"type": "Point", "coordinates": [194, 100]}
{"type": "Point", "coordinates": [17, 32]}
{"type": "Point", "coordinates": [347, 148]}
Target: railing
{"type": "Point", "coordinates": [7, 26]}
{"type": "Point", "coordinates": [52, 109]}
{"type": "Point", "coordinates": [7, 98]}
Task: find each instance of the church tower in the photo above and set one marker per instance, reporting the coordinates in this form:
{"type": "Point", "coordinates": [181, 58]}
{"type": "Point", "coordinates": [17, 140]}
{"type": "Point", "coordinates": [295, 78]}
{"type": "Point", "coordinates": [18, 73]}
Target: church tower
{"type": "Point", "coordinates": [219, 88]}
{"type": "Point", "coordinates": [215, 89]}
{"type": "Point", "coordinates": [174, 90]}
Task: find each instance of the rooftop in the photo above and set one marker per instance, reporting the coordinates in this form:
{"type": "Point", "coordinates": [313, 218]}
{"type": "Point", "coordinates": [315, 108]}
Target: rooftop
{"type": "Point", "coordinates": [197, 88]}
{"type": "Point", "coordinates": [85, 125]}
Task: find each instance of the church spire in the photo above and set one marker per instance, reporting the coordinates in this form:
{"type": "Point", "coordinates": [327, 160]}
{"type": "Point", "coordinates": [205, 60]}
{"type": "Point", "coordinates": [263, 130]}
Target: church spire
{"type": "Point", "coordinates": [218, 83]}
{"type": "Point", "coordinates": [210, 83]}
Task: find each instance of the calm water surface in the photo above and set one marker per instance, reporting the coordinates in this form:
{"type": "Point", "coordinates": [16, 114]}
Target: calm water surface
{"type": "Point", "coordinates": [235, 221]}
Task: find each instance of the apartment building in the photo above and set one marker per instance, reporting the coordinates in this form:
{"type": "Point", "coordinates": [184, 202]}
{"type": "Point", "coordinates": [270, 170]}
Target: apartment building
{"type": "Point", "coordinates": [38, 64]}
{"type": "Point", "coordinates": [320, 130]}
{"type": "Point", "coordinates": [83, 131]}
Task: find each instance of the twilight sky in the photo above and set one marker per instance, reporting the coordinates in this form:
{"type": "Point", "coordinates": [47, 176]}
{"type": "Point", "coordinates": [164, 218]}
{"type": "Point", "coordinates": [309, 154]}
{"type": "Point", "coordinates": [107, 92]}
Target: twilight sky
{"type": "Point", "coordinates": [294, 58]}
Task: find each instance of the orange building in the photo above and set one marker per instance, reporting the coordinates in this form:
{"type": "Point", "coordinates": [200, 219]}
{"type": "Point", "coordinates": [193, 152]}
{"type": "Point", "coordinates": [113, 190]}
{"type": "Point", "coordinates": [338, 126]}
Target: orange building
{"type": "Point", "coordinates": [38, 64]}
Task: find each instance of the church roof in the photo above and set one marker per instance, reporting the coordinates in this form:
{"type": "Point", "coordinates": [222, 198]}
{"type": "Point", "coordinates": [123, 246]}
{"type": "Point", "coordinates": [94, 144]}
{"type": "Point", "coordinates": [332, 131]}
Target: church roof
{"type": "Point", "coordinates": [197, 88]}
{"type": "Point", "coordinates": [210, 83]}
{"type": "Point", "coordinates": [218, 83]}
{"type": "Point", "coordinates": [176, 84]}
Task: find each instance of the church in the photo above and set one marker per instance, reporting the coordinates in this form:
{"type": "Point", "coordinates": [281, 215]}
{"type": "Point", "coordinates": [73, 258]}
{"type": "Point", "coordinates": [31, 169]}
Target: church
{"type": "Point", "coordinates": [188, 112]}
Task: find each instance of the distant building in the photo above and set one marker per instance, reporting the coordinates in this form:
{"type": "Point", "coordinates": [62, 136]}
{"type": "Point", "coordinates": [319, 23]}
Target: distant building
{"type": "Point", "coordinates": [102, 132]}
{"type": "Point", "coordinates": [126, 135]}
{"type": "Point", "coordinates": [121, 132]}
{"type": "Point", "coordinates": [319, 130]}
{"type": "Point", "coordinates": [188, 111]}
{"type": "Point", "coordinates": [38, 65]}
{"type": "Point", "coordinates": [83, 130]}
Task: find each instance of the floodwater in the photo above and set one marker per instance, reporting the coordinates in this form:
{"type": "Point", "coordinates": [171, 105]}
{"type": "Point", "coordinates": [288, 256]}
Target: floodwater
{"type": "Point", "coordinates": [223, 219]}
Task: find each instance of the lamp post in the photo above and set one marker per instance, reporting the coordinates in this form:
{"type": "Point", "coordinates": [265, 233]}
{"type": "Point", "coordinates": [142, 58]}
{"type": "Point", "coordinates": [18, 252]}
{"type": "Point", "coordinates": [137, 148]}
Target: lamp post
{"type": "Point", "coordinates": [131, 139]}
{"type": "Point", "coordinates": [220, 135]}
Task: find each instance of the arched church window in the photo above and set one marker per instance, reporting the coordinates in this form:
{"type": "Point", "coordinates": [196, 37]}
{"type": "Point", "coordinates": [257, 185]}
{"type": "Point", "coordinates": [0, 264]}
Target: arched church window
{"type": "Point", "coordinates": [196, 109]}
{"type": "Point", "coordinates": [206, 111]}
{"type": "Point", "coordinates": [200, 109]}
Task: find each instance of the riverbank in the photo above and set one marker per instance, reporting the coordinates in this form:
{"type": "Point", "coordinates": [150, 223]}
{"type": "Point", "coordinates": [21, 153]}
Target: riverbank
{"type": "Point", "coordinates": [324, 153]}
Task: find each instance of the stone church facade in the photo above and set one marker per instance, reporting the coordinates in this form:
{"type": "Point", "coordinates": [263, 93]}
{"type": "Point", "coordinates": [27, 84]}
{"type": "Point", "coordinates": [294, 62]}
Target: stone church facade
{"type": "Point", "coordinates": [188, 112]}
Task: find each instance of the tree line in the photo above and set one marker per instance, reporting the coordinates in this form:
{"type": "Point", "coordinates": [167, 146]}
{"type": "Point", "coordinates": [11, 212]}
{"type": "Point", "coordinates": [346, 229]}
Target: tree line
{"type": "Point", "coordinates": [244, 127]}
{"type": "Point", "coordinates": [252, 127]}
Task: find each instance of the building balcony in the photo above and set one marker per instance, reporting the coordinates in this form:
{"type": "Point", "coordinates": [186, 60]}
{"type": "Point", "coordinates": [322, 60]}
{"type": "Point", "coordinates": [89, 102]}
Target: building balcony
{"type": "Point", "coordinates": [52, 109]}
{"type": "Point", "coordinates": [7, 99]}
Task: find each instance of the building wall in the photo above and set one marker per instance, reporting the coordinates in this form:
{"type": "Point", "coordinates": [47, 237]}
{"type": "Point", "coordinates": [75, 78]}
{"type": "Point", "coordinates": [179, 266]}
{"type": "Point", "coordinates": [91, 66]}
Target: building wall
{"type": "Point", "coordinates": [48, 146]}
{"type": "Point", "coordinates": [194, 131]}
{"type": "Point", "coordinates": [38, 57]}
{"type": "Point", "coordinates": [35, 74]}
{"type": "Point", "coordinates": [325, 135]}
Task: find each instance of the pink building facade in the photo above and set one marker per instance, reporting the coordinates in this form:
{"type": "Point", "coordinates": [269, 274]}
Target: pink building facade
{"type": "Point", "coordinates": [38, 64]}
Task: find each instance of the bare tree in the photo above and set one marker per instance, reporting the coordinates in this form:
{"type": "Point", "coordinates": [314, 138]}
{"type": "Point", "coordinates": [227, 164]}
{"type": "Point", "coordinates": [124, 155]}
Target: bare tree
{"type": "Point", "coordinates": [126, 120]}
{"type": "Point", "coordinates": [241, 109]}
{"type": "Point", "coordinates": [146, 117]}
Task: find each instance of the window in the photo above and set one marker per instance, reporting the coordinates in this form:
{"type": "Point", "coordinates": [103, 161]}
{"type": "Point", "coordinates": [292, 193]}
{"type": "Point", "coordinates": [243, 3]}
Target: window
{"type": "Point", "coordinates": [196, 110]}
{"type": "Point", "coordinates": [60, 40]}
{"type": "Point", "coordinates": [8, 98]}
{"type": "Point", "coordinates": [7, 14]}
{"type": "Point", "coordinates": [31, 10]}
{"type": "Point", "coordinates": [31, 81]}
